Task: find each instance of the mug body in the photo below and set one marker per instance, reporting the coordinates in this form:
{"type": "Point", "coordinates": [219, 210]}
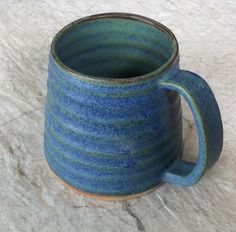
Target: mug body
{"type": "Point", "coordinates": [109, 128]}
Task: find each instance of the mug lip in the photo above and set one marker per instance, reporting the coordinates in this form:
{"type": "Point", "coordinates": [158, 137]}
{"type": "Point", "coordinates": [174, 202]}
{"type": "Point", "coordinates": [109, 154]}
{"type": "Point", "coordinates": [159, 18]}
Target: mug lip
{"type": "Point", "coordinates": [119, 15]}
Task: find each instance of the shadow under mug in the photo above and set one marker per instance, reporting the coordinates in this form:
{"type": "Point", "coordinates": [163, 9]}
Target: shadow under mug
{"type": "Point", "coordinates": [113, 123]}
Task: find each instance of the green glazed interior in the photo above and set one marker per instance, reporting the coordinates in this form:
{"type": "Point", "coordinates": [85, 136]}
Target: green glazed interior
{"type": "Point", "coordinates": [114, 47]}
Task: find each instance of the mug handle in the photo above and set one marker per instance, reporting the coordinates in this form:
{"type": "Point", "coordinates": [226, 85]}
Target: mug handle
{"type": "Point", "coordinates": [208, 122]}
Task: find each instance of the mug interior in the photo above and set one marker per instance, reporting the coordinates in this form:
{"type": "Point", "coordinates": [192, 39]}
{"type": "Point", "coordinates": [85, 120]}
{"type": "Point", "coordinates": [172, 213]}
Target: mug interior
{"type": "Point", "coordinates": [114, 47]}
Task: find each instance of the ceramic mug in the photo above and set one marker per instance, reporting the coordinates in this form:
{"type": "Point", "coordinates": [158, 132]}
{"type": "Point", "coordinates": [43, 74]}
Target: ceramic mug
{"type": "Point", "coordinates": [113, 123]}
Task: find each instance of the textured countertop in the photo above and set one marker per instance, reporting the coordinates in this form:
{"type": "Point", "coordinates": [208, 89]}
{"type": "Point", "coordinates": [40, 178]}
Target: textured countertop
{"type": "Point", "coordinates": [31, 200]}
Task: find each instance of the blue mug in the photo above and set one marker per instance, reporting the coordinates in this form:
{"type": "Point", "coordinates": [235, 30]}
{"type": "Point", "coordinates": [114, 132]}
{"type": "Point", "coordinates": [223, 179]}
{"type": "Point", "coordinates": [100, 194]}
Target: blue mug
{"type": "Point", "coordinates": [113, 122]}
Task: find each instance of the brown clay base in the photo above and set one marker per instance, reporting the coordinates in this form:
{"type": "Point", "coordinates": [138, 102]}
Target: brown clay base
{"type": "Point", "coordinates": [104, 197]}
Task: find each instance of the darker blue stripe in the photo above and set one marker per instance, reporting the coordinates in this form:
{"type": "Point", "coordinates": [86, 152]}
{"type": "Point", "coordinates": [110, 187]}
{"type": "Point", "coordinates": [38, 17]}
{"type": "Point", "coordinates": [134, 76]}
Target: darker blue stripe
{"type": "Point", "coordinates": [129, 166]}
{"type": "Point", "coordinates": [113, 159]}
{"type": "Point", "coordinates": [96, 128]}
{"type": "Point", "coordinates": [105, 143]}
{"type": "Point", "coordinates": [94, 149]}
{"type": "Point", "coordinates": [80, 107]}
{"type": "Point", "coordinates": [130, 173]}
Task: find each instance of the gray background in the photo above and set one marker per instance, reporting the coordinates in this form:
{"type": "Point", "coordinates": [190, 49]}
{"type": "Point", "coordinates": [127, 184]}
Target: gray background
{"type": "Point", "coordinates": [31, 200]}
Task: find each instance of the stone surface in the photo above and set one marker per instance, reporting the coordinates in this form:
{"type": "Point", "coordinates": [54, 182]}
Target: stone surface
{"type": "Point", "coordinates": [30, 198]}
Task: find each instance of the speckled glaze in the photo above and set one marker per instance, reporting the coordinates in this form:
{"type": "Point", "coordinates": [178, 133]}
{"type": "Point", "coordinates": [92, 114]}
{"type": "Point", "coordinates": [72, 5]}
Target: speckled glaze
{"type": "Point", "coordinates": [113, 124]}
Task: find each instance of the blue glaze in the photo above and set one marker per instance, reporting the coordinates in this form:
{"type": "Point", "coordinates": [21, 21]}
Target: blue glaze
{"type": "Point", "coordinates": [208, 122]}
{"type": "Point", "coordinates": [113, 115]}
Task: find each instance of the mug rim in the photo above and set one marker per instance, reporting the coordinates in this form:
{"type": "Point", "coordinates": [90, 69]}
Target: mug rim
{"type": "Point", "coordinates": [119, 15]}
